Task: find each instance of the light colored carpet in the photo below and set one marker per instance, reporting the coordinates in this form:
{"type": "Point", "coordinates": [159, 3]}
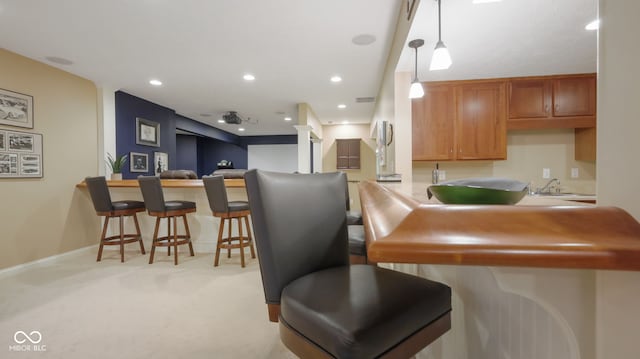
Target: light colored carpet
{"type": "Point", "coordinates": [88, 309]}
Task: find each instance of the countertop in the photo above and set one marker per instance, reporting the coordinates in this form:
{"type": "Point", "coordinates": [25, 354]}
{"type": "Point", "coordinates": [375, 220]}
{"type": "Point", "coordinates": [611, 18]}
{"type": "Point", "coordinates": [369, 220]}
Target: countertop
{"type": "Point", "coordinates": [403, 226]}
{"type": "Point", "coordinates": [170, 183]}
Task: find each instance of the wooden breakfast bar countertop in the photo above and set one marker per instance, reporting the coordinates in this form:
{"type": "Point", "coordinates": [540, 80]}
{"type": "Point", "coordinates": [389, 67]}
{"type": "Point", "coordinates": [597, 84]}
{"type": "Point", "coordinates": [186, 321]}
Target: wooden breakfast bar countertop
{"type": "Point", "coordinates": [171, 183]}
{"type": "Point", "coordinates": [401, 228]}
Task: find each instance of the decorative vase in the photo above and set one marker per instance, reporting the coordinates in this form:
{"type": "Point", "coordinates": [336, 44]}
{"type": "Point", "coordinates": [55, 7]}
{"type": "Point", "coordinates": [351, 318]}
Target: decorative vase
{"type": "Point", "coordinates": [116, 176]}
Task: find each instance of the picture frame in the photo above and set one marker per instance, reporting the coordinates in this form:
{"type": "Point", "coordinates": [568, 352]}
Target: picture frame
{"type": "Point", "coordinates": [147, 132]}
{"type": "Point", "coordinates": [160, 162]}
{"type": "Point", "coordinates": [21, 155]}
{"type": "Point", "coordinates": [16, 109]}
{"type": "Point", "coordinates": [138, 162]}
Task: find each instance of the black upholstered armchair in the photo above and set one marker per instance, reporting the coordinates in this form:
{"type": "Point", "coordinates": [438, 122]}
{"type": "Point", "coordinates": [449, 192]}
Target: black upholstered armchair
{"type": "Point", "coordinates": [326, 307]}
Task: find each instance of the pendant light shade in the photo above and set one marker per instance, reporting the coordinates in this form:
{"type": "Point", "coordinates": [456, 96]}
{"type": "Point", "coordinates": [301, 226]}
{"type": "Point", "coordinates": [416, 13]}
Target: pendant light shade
{"type": "Point", "coordinates": [441, 59]}
{"type": "Point", "coordinates": [416, 90]}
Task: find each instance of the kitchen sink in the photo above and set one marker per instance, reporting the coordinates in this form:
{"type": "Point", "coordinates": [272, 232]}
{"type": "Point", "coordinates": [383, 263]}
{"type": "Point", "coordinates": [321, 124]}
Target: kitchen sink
{"type": "Point", "coordinates": [564, 194]}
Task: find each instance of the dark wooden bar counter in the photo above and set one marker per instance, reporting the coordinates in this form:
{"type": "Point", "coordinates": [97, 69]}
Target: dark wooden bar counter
{"type": "Point", "coordinates": [401, 229]}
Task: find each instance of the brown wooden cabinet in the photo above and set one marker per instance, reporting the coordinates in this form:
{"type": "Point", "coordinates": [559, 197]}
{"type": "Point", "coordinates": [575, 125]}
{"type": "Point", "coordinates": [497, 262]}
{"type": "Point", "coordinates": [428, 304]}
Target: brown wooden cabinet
{"type": "Point", "coordinates": [559, 101]}
{"type": "Point", "coordinates": [585, 146]}
{"type": "Point", "coordinates": [481, 131]}
{"type": "Point", "coordinates": [348, 153]}
{"type": "Point", "coordinates": [433, 120]}
{"type": "Point", "coordinates": [460, 120]}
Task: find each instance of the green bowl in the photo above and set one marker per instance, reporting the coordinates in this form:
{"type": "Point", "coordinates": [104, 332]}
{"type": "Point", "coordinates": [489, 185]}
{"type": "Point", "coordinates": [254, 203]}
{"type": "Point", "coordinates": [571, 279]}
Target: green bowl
{"type": "Point", "coordinates": [479, 191]}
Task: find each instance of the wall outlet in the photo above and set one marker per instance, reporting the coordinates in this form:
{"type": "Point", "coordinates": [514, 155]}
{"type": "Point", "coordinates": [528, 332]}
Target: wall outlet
{"type": "Point", "coordinates": [575, 173]}
{"type": "Point", "coordinates": [546, 173]}
{"type": "Point", "coordinates": [442, 175]}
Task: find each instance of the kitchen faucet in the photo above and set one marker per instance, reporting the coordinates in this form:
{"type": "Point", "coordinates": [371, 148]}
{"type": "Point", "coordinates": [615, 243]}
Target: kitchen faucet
{"type": "Point", "coordinates": [547, 187]}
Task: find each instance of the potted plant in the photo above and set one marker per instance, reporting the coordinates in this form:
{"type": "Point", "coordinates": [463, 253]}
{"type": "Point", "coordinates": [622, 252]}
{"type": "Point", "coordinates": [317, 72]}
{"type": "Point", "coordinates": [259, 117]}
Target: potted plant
{"type": "Point", "coordinates": [116, 164]}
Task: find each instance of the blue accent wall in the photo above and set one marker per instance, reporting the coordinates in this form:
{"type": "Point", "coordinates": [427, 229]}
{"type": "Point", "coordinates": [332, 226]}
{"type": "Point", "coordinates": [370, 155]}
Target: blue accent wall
{"type": "Point", "coordinates": [200, 153]}
{"type": "Point", "coordinates": [186, 153]}
{"type": "Point", "coordinates": [211, 151]}
{"type": "Point", "coordinates": [128, 108]}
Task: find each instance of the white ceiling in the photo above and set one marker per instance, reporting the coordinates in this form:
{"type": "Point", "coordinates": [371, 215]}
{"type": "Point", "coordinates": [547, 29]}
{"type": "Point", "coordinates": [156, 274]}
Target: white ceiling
{"type": "Point", "coordinates": [200, 50]}
{"type": "Point", "coordinates": [504, 39]}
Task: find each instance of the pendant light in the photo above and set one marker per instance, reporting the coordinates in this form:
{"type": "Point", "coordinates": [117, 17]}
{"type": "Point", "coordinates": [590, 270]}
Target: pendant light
{"type": "Point", "coordinates": [416, 90]}
{"type": "Point", "coordinates": [441, 59]}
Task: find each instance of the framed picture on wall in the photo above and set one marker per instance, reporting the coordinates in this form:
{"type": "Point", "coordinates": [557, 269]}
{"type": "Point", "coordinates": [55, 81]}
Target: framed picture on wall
{"type": "Point", "coordinates": [20, 154]}
{"type": "Point", "coordinates": [138, 162]}
{"type": "Point", "coordinates": [147, 132]}
{"type": "Point", "coordinates": [16, 109]}
{"type": "Point", "coordinates": [160, 162]}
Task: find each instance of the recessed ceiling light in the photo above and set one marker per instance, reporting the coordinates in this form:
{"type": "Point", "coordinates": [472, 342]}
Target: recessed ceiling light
{"type": "Point", "coordinates": [249, 77]}
{"type": "Point", "coordinates": [364, 39]}
{"type": "Point", "coordinates": [59, 60]}
{"type": "Point", "coordinates": [345, 122]}
{"type": "Point", "coordinates": [287, 118]}
{"type": "Point", "coordinates": [593, 25]}
{"type": "Point", "coordinates": [240, 129]}
{"type": "Point", "coordinates": [342, 105]}
{"type": "Point", "coordinates": [336, 78]}
{"type": "Point", "coordinates": [220, 121]}
{"type": "Point", "coordinates": [155, 82]}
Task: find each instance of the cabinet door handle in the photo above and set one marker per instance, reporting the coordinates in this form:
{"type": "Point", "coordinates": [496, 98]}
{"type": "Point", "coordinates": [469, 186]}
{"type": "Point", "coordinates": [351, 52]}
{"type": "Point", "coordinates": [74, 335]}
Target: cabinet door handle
{"type": "Point", "coordinates": [556, 107]}
{"type": "Point", "coordinates": [546, 108]}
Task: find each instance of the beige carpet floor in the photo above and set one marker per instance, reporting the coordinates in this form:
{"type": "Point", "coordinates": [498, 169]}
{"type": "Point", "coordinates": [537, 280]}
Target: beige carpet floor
{"type": "Point", "coordinates": [88, 309]}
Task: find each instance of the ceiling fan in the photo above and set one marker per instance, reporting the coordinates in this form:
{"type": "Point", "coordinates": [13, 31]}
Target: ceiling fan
{"type": "Point", "coordinates": [233, 118]}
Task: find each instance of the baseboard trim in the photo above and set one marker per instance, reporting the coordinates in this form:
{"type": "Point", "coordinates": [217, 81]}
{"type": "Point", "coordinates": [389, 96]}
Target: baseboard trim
{"type": "Point", "coordinates": [47, 260]}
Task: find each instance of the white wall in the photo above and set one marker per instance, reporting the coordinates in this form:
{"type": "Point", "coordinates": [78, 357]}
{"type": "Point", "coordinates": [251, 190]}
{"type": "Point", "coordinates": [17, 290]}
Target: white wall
{"type": "Point", "coordinates": [278, 158]}
{"type": "Point", "coordinates": [618, 172]}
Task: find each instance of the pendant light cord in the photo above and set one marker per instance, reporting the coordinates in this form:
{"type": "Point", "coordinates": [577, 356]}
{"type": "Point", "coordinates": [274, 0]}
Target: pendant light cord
{"type": "Point", "coordinates": [439, 24]}
{"type": "Point", "coordinates": [415, 72]}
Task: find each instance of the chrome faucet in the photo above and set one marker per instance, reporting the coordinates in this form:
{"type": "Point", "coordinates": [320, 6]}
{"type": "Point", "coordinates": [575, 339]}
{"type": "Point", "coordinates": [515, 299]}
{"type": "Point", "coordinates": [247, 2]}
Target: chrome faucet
{"type": "Point", "coordinates": [547, 187]}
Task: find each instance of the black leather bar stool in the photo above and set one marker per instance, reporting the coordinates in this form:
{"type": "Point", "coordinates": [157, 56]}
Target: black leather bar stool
{"type": "Point", "coordinates": [353, 217]}
{"type": "Point", "coordinates": [227, 211]}
{"type": "Point", "coordinates": [326, 307]}
{"type": "Point", "coordinates": [101, 198]}
{"type": "Point", "coordinates": [156, 206]}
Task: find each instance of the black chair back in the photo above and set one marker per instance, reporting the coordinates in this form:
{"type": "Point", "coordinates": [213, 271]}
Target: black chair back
{"type": "Point", "coordinates": [299, 225]}
{"type": "Point", "coordinates": [151, 189]}
{"type": "Point", "coordinates": [216, 193]}
{"type": "Point", "coordinates": [99, 192]}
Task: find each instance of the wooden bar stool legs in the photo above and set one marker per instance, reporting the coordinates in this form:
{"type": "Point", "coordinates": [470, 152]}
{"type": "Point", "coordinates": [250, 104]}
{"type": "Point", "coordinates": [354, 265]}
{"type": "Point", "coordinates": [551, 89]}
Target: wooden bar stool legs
{"type": "Point", "coordinates": [172, 239]}
{"type": "Point", "coordinates": [101, 199]}
{"type": "Point", "coordinates": [121, 238]}
{"type": "Point", "coordinates": [230, 242]}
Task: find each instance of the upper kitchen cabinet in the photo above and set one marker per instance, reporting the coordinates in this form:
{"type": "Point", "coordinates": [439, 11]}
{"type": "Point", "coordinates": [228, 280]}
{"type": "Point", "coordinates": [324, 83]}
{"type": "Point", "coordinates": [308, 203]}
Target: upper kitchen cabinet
{"type": "Point", "coordinates": [563, 101]}
{"type": "Point", "coordinates": [460, 120]}
{"type": "Point", "coordinates": [433, 118]}
{"type": "Point", "coordinates": [481, 131]}
{"type": "Point", "coordinates": [348, 154]}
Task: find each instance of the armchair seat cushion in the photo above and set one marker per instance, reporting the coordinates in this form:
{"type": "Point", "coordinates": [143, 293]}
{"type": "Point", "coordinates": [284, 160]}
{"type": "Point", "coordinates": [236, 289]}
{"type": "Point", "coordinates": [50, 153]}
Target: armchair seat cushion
{"type": "Point", "coordinates": [361, 311]}
{"type": "Point", "coordinates": [357, 242]}
{"type": "Point", "coordinates": [120, 205]}
{"type": "Point", "coordinates": [354, 217]}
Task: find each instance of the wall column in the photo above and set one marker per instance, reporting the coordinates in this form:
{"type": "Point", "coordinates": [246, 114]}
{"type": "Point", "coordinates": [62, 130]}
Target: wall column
{"type": "Point", "coordinates": [317, 155]}
{"type": "Point", "coordinates": [304, 150]}
{"type": "Point", "coordinates": [106, 128]}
